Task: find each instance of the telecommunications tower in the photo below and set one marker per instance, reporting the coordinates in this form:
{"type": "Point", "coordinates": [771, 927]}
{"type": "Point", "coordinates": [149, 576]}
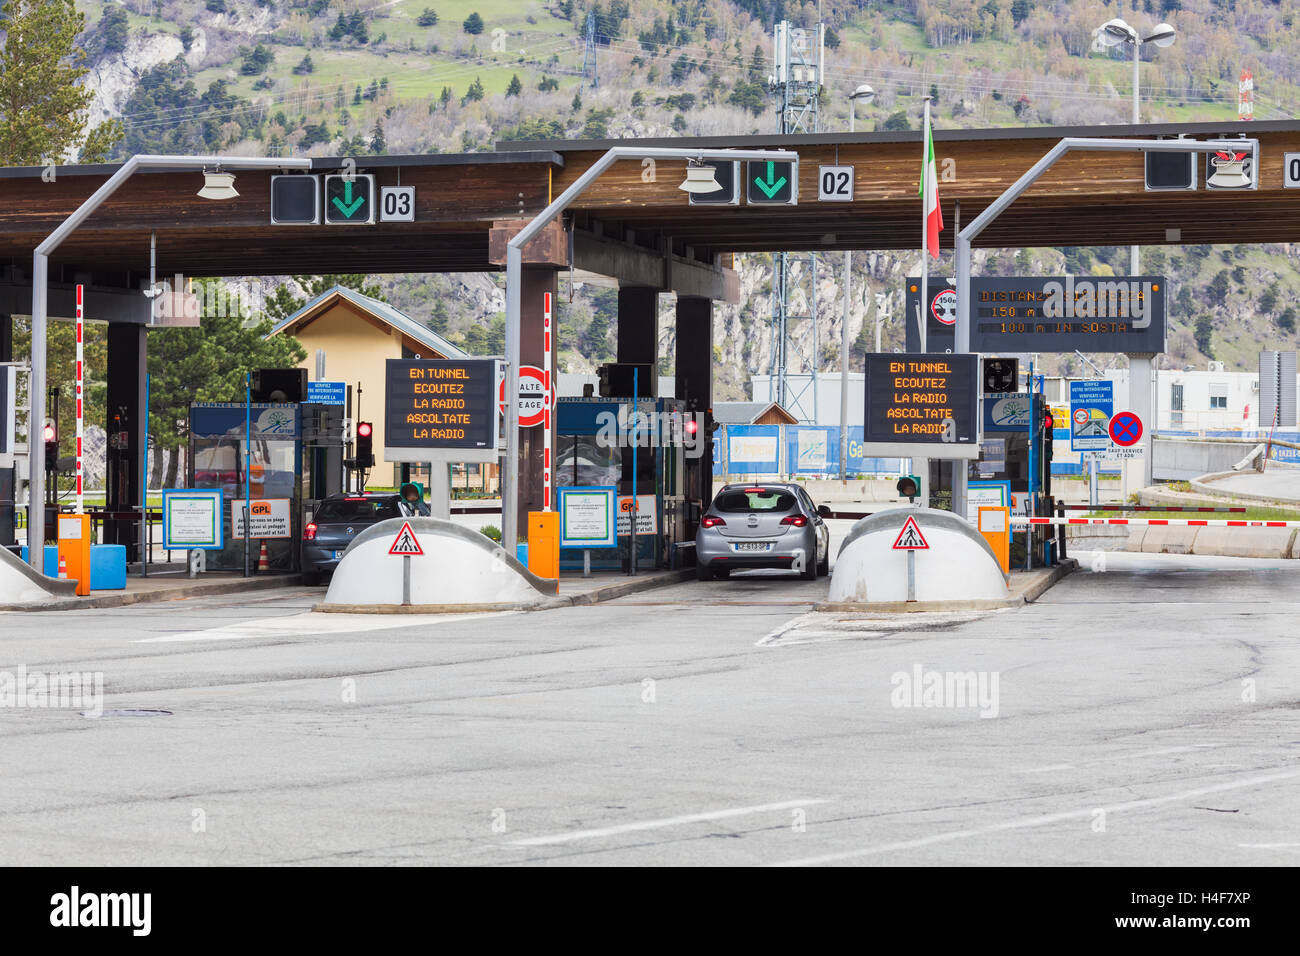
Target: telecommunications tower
{"type": "Point", "coordinates": [799, 55]}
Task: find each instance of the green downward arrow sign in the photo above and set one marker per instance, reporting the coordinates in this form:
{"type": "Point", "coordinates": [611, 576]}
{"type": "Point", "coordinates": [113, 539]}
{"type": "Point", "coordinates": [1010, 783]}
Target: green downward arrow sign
{"type": "Point", "coordinates": [347, 205]}
{"type": "Point", "coordinates": [770, 187]}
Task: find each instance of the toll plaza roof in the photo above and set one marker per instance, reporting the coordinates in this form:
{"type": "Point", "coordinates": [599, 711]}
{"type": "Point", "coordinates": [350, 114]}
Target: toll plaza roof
{"type": "Point", "coordinates": [1086, 199]}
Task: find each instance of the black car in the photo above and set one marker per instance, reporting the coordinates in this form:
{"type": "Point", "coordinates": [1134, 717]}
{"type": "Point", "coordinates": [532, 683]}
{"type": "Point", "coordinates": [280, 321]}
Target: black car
{"type": "Point", "coordinates": [337, 520]}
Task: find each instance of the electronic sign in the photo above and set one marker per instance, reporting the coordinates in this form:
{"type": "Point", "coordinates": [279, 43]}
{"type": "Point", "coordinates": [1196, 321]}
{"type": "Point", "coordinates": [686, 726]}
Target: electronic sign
{"type": "Point", "coordinates": [727, 176]}
{"type": "Point", "coordinates": [295, 200]}
{"type": "Point", "coordinates": [440, 403]}
{"type": "Point", "coordinates": [1047, 314]}
{"type": "Point", "coordinates": [772, 182]}
{"type": "Point", "coordinates": [922, 404]}
{"type": "Point", "coordinates": [349, 199]}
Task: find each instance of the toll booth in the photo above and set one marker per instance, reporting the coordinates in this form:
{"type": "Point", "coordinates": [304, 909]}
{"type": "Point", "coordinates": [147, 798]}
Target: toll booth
{"type": "Point", "coordinates": [1017, 449]}
{"type": "Point", "coordinates": [273, 486]}
{"type": "Point", "coordinates": [596, 442]}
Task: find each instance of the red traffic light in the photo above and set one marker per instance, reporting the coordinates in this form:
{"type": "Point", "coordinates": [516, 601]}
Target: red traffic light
{"type": "Point", "coordinates": [692, 426]}
{"type": "Point", "coordinates": [49, 433]}
{"type": "Point", "coordinates": [1047, 421]}
{"type": "Point", "coordinates": [364, 429]}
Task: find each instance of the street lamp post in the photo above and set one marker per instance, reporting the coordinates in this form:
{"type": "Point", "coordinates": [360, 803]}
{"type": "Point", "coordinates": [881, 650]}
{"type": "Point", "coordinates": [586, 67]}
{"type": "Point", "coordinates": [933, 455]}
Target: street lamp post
{"type": "Point", "coordinates": [1113, 33]}
{"type": "Point", "coordinates": [40, 280]}
{"type": "Point", "coordinates": [866, 94]}
{"type": "Point", "coordinates": [514, 292]}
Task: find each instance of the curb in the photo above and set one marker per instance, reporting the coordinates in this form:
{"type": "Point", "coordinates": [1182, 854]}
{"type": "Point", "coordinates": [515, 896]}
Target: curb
{"type": "Point", "coordinates": [155, 597]}
{"type": "Point", "coordinates": [608, 592]}
{"type": "Point", "coordinates": [1031, 593]}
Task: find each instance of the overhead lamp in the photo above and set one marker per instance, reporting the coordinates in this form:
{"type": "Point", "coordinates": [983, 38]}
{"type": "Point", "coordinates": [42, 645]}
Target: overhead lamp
{"type": "Point", "coordinates": [863, 93]}
{"type": "Point", "coordinates": [1116, 31]}
{"type": "Point", "coordinates": [700, 178]}
{"type": "Point", "coordinates": [1162, 36]}
{"type": "Point", "coordinates": [218, 185]}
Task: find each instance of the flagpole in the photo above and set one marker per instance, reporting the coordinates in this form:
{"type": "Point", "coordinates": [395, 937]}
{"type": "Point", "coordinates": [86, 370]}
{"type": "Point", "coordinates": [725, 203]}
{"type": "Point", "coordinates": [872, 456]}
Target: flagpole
{"type": "Point", "coordinates": [925, 225]}
{"type": "Point", "coordinates": [923, 464]}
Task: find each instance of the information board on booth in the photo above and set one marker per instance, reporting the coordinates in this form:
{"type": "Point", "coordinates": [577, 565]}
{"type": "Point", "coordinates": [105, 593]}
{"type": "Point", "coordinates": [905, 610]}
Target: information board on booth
{"type": "Point", "coordinates": [441, 403]}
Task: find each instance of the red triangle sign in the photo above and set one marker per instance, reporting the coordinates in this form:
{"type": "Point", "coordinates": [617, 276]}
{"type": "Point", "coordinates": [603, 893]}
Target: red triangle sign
{"type": "Point", "coordinates": [910, 538]}
{"type": "Point", "coordinates": [405, 542]}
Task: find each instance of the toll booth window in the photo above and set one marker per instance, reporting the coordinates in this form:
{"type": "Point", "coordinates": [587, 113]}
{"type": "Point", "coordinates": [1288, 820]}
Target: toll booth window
{"type": "Point", "coordinates": [364, 509]}
{"type": "Point", "coordinates": [581, 460]}
{"type": "Point", "coordinates": [755, 499]}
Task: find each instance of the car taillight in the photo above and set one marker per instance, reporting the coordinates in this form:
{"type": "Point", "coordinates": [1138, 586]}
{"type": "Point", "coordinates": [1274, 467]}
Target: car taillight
{"type": "Point", "coordinates": [709, 521]}
{"type": "Point", "coordinates": [797, 520]}
{"type": "Point", "coordinates": [309, 532]}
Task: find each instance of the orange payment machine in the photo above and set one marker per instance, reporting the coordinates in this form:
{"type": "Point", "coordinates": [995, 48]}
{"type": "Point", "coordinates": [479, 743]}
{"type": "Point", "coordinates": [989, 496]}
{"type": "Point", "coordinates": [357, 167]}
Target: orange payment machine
{"type": "Point", "coordinates": [544, 543]}
{"type": "Point", "coordinates": [995, 526]}
{"type": "Point", "coordinates": [74, 549]}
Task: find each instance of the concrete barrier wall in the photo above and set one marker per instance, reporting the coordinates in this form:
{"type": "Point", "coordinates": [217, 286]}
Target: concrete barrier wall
{"type": "Point", "coordinates": [22, 584]}
{"type": "Point", "coordinates": [1180, 460]}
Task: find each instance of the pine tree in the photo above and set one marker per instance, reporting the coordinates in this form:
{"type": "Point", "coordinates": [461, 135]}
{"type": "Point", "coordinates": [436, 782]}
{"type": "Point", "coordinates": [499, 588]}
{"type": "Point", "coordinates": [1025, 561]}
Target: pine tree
{"type": "Point", "coordinates": [43, 103]}
{"type": "Point", "coordinates": [515, 87]}
{"type": "Point", "coordinates": [378, 146]}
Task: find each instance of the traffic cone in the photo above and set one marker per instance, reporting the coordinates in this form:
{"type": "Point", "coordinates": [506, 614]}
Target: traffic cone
{"type": "Point", "coordinates": [263, 559]}
{"type": "Point", "coordinates": [63, 566]}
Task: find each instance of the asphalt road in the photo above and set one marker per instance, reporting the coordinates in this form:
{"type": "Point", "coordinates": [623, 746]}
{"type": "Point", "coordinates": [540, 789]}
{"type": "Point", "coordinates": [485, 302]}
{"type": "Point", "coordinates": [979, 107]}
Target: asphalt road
{"type": "Point", "coordinates": [1141, 713]}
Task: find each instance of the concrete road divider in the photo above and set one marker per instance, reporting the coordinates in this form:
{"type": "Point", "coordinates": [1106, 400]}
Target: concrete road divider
{"type": "Point", "coordinates": [22, 584]}
{"type": "Point", "coordinates": [956, 565]}
{"type": "Point", "coordinates": [429, 564]}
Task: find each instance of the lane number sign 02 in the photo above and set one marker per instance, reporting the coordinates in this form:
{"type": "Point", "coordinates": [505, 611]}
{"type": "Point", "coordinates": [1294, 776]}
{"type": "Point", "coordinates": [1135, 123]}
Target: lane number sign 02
{"type": "Point", "coordinates": [397, 204]}
{"type": "Point", "coordinates": [1291, 170]}
{"type": "Point", "coordinates": [835, 183]}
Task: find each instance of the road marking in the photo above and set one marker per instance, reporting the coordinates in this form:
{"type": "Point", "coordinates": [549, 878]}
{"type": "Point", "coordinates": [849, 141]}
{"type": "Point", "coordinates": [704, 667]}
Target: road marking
{"type": "Point", "coordinates": [314, 622]}
{"type": "Point", "coordinates": [1140, 753]}
{"type": "Point", "coordinates": [1267, 846]}
{"type": "Point", "coordinates": [661, 823]}
{"type": "Point", "coordinates": [1043, 820]}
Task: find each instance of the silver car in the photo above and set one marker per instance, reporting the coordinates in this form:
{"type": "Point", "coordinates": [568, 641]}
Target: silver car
{"type": "Point", "coordinates": [762, 525]}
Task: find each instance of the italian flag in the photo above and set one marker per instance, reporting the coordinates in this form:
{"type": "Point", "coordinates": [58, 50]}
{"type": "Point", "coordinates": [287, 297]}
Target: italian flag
{"type": "Point", "coordinates": [933, 214]}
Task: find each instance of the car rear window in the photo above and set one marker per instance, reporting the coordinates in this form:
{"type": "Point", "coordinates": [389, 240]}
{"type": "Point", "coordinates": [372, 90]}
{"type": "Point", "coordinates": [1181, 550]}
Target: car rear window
{"type": "Point", "coordinates": [754, 499]}
{"type": "Point", "coordinates": [367, 509]}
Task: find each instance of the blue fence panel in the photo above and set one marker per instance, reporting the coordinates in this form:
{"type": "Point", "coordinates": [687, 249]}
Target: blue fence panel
{"type": "Point", "coordinates": [753, 449]}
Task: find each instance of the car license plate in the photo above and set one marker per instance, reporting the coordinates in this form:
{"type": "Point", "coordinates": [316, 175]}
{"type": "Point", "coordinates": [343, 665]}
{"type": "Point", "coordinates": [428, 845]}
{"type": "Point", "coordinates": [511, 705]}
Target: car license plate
{"type": "Point", "coordinates": [753, 546]}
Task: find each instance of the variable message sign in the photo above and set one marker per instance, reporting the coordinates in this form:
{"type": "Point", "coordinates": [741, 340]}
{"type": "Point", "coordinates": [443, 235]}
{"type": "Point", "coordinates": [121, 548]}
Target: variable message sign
{"type": "Point", "coordinates": [440, 403]}
{"type": "Point", "coordinates": [349, 199]}
{"type": "Point", "coordinates": [924, 405]}
{"type": "Point", "coordinates": [772, 183]}
{"type": "Point", "coordinates": [1046, 314]}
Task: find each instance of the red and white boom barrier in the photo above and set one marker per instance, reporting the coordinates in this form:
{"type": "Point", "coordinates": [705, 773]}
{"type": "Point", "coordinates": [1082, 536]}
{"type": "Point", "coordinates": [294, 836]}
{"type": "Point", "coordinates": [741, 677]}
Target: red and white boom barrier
{"type": "Point", "coordinates": [1024, 521]}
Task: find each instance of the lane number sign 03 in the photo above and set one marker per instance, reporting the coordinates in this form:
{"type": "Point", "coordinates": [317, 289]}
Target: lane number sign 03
{"type": "Point", "coordinates": [835, 183]}
{"type": "Point", "coordinates": [397, 204]}
{"type": "Point", "coordinates": [1291, 170]}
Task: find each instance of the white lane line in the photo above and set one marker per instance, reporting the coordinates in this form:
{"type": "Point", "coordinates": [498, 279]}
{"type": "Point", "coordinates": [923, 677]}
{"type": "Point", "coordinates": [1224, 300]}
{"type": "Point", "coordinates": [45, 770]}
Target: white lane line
{"type": "Point", "coordinates": [312, 622]}
{"type": "Point", "coordinates": [1044, 820]}
{"type": "Point", "coordinates": [1268, 846]}
{"type": "Point", "coordinates": [774, 635]}
{"type": "Point", "coordinates": [1164, 751]}
{"type": "Point", "coordinates": [661, 823]}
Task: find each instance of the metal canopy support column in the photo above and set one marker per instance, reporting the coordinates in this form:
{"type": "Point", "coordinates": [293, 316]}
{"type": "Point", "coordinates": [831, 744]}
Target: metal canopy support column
{"type": "Point", "coordinates": [967, 236]}
{"type": "Point", "coordinates": [40, 302]}
{"type": "Point", "coordinates": [126, 433]}
{"type": "Point", "coordinates": [514, 292]}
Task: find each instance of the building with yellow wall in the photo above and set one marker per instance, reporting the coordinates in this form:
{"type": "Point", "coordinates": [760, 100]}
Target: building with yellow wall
{"type": "Point", "coordinates": [358, 335]}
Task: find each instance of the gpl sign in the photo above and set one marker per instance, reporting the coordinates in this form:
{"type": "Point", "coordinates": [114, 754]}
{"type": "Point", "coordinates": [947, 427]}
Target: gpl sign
{"type": "Point", "coordinates": [532, 396]}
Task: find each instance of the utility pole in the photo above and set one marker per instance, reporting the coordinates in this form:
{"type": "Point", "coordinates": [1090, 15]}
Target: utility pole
{"type": "Point", "coordinates": [589, 51]}
{"type": "Point", "coordinates": [799, 56]}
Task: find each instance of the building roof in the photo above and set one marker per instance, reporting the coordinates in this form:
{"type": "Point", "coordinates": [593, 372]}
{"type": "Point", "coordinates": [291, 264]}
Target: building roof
{"type": "Point", "coordinates": [380, 310]}
{"type": "Point", "coordinates": [747, 413]}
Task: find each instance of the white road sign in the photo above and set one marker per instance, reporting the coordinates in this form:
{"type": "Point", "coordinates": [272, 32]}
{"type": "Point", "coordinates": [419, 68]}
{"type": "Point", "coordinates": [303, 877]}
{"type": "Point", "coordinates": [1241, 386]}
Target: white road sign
{"type": "Point", "coordinates": [835, 183]}
{"type": "Point", "coordinates": [397, 204]}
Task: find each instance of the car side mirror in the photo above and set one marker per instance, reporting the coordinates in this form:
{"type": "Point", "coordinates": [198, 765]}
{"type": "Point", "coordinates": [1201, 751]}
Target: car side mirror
{"type": "Point", "coordinates": [823, 511]}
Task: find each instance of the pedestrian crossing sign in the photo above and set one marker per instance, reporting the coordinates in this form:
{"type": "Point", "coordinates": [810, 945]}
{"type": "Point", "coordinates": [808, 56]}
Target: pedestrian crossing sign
{"type": "Point", "coordinates": [910, 538]}
{"type": "Point", "coordinates": [405, 542]}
